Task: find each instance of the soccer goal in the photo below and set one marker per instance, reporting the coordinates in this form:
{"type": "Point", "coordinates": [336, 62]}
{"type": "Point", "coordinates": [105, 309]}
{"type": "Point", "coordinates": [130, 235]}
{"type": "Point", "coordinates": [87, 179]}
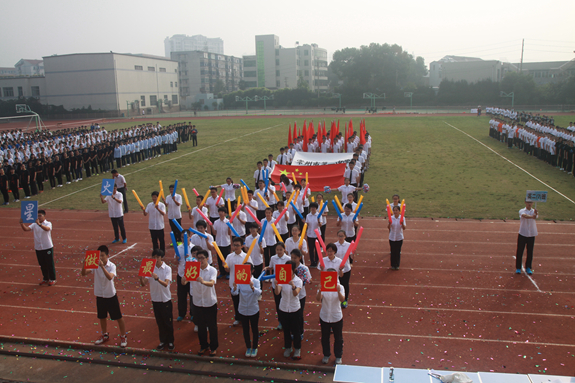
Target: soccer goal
{"type": "Point", "coordinates": [26, 119]}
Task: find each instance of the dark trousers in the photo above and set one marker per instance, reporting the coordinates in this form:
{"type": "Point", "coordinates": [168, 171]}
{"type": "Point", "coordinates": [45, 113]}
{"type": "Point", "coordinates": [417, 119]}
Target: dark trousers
{"type": "Point", "coordinates": [69, 177]}
{"type": "Point", "coordinates": [118, 163]}
{"type": "Point", "coordinates": [395, 247]}
{"type": "Point", "coordinates": [269, 252]}
{"type": "Point", "coordinates": [183, 294]}
{"type": "Point", "coordinates": [15, 191]}
{"type": "Point", "coordinates": [277, 299]}
{"type": "Point", "coordinates": [59, 178]}
{"type": "Point", "coordinates": [236, 302]}
{"type": "Point", "coordinates": [291, 326]}
{"type": "Point", "coordinates": [158, 239]}
{"type": "Point", "coordinates": [521, 242]}
{"type": "Point", "coordinates": [123, 191]}
{"type": "Point", "coordinates": [177, 233]}
{"type": "Point", "coordinates": [40, 183]}
{"type": "Point", "coordinates": [207, 320]}
{"type": "Point", "coordinates": [247, 321]}
{"type": "Point", "coordinates": [33, 187]}
{"type": "Point", "coordinates": [313, 257]}
{"type": "Point", "coordinates": [194, 141]}
{"type": "Point", "coordinates": [344, 281]}
{"type": "Point", "coordinates": [52, 181]}
{"type": "Point", "coordinates": [164, 320]}
{"type": "Point", "coordinates": [46, 262]}
{"type": "Point", "coordinates": [26, 189]}
{"type": "Point", "coordinates": [258, 270]}
{"type": "Point", "coordinates": [118, 224]}
{"type": "Point", "coordinates": [224, 250]}
{"type": "Point", "coordinates": [326, 329]}
{"type": "Point", "coordinates": [302, 308]}
{"type": "Point", "coordinates": [5, 195]}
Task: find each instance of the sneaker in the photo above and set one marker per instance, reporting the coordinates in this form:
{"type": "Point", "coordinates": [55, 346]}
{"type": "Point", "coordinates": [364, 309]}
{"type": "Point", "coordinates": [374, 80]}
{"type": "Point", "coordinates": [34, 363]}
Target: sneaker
{"type": "Point", "coordinates": [287, 352]}
{"type": "Point", "coordinates": [249, 352]}
{"type": "Point", "coordinates": [518, 271]}
{"type": "Point", "coordinates": [529, 271]}
{"type": "Point", "coordinates": [51, 283]}
{"type": "Point", "coordinates": [67, 183]}
{"type": "Point", "coordinates": [279, 327]}
{"type": "Point", "coordinates": [325, 360]}
{"type": "Point", "coordinates": [115, 241]}
{"type": "Point", "coordinates": [103, 338]}
{"type": "Point", "coordinates": [338, 361]}
{"type": "Point", "coordinates": [213, 353]}
{"type": "Point", "coordinates": [43, 283]}
{"type": "Point", "coordinates": [16, 200]}
{"type": "Point", "coordinates": [27, 197]}
{"type": "Point", "coordinates": [123, 340]}
{"type": "Point", "coordinates": [160, 347]}
{"type": "Point", "coordinates": [125, 241]}
{"type": "Point", "coordinates": [180, 319]}
{"type": "Point", "coordinates": [344, 304]}
{"type": "Point", "coordinates": [297, 353]}
{"type": "Point", "coordinates": [236, 323]}
{"type": "Point", "coordinates": [254, 352]}
{"type": "Point", "coordinates": [171, 347]}
{"type": "Point", "coordinates": [196, 328]}
{"type": "Point", "coordinates": [202, 351]}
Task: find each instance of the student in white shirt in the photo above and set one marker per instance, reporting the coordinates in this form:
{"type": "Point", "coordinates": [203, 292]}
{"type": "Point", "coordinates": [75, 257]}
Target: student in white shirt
{"type": "Point", "coordinates": [194, 215]}
{"type": "Point", "coordinates": [257, 254]}
{"type": "Point", "coordinates": [350, 201]}
{"type": "Point", "coordinates": [239, 224]}
{"type": "Point", "coordinates": [261, 211]}
{"type": "Point", "coordinates": [44, 247]}
{"type": "Point", "coordinates": [396, 237]}
{"type": "Point", "coordinates": [212, 206]}
{"type": "Point", "coordinates": [156, 211]}
{"type": "Point", "coordinates": [304, 198]}
{"type": "Point", "coordinates": [116, 213]}
{"type": "Point", "coordinates": [293, 243]}
{"type": "Point", "coordinates": [347, 223]}
{"type": "Point", "coordinates": [282, 225]}
{"type": "Point", "coordinates": [206, 305]}
{"type": "Point", "coordinates": [330, 260]}
{"type": "Point", "coordinates": [106, 298]}
{"type": "Point", "coordinates": [342, 246]}
{"type": "Point", "coordinates": [259, 174]}
{"type": "Point", "coordinates": [289, 313]}
{"type": "Point", "coordinates": [346, 189]}
{"type": "Point", "coordinates": [312, 224]}
{"type": "Point", "coordinates": [183, 292]}
{"type": "Point", "coordinates": [252, 205]}
{"type": "Point", "coordinates": [174, 205]}
{"type": "Point", "coordinates": [331, 320]}
{"type": "Point", "coordinates": [269, 237]}
{"type": "Point", "coordinates": [281, 258]}
{"type": "Point", "coordinates": [395, 201]}
{"type": "Point", "coordinates": [204, 243]}
{"type": "Point", "coordinates": [223, 235]}
{"type": "Point", "coordinates": [323, 219]}
{"type": "Point", "coordinates": [303, 273]}
{"type": "Point", "coordinates": [161, 299]}
{"type": "Point", "coordinates": [235, 257]}
{"type": "Point", "coordinates": [293, 217]}
{"type": "Point", "coordinates": [526, 237]}
{"type": "Point", "coordinates": [249, 311]}
{"type": "Point", "coordinates": [230, 192]}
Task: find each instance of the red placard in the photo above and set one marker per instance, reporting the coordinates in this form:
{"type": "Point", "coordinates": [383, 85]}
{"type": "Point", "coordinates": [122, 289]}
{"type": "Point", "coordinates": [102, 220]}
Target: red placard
{"type": "Point", "coordinates": [242, 274]}
{"type": "Point", "coordinates": [92, 260]}
{"type": "Point", "coordinates": [192, 271]}
{"type": "Point", "coordinates": [147, 267]}
{"type": "Point", "coordinates": [283, 274]}
{"type": "Point", "coordinates": [329, 281]}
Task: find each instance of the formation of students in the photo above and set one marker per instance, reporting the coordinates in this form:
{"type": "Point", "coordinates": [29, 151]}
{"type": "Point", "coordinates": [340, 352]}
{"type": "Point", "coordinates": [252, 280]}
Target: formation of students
{"type": "Point", "coordinates": [30, 159]}
{"type": "Point", "coordinates": [552, 144]}
{"type": "Point", "coordinates": [211, 233]}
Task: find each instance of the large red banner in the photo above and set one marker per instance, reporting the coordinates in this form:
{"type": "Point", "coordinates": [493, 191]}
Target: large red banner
{"type": "Point", "coordinates": [319, 176]}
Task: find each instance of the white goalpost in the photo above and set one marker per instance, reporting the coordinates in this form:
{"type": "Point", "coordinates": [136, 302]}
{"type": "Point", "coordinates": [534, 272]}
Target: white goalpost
{"type": "Point", "coordinates": [26, 119]}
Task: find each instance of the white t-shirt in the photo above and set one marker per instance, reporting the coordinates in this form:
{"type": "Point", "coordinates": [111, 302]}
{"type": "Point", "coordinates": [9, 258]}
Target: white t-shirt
{"type": "Point", "coordinates": [212, 207]}
{"type": "Point", "coordinates": [104, 287]}
{"type": "Point", "coordinates": [312, 224]}
{"type": "Point", "coordinates": [204, 296]}
{"type": "Point", "coordinates": [222, 232]}
{"type": "Point", "coordinates": [235, 259]}
{"type": "Point", "coordinates": [347, 224]}
{"type": "Point", "coordinates": [230, 192]}
{"type": "Point", "coordinates": [345, 190]}
{"type": "Point", "coordinates": [289, 303]}
{"type": "Point", "coordinates": [120, 181]}
{"type": "Point", "coordinates": [282, 224]}
{"type": "Point", "coordinates": [396, 232]}
{"type": "Point", "coordinates": [115, 207]}
{"type": "Point", "coordinates": [331, 306]}
{"type": "Point", "coordinates": [341, 250]}
{"type": "Point", "coordinates": [42, 238]}
{"type": "Point", "coordinates": [253, 206]}
{"type": "Point", "coordinates": [527, 226]}
{"type": "Point", "coordinates": [158, 292]}
{"type": "Point", "coordinates": [257, 255]}
{"type": "Point", "coordinates": [240, 227]}
{"type": "Point", "coordinates": [174, 211]}
{"type": "Point", "coordinates": [269, 234]}
{"type": "Point", "coordinates": [197, 217]}
{"type": "Point", "coordinates": [155, 219]}
{"type": "Point", "coordinates": [203, 243]}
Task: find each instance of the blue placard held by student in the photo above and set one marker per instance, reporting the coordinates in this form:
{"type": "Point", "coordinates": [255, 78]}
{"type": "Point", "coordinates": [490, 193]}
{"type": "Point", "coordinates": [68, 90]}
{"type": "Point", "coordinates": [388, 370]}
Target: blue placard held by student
{"type": "Point", "coordinates": [107, 187]}
{"type": "Point", "coordinates": [29, 211]}
{"type": "Point", "coordinates": [536, 196]}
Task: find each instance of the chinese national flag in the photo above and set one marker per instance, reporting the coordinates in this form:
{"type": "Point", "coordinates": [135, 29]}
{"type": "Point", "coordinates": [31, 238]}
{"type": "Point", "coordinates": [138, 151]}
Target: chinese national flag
{"type": "Point", "coordinates": [319, 176]}
{"type": "Point", "coordinates": [147, 267]}
{"type": "Point", "coordinates": [242, 274]}
{"type": "Point", "coordinates": [92, 259]}
{"type": "Point", "coordinates": [283, 274]}
{"type": "Point", "coordinates": [192, 271]}
{"type": "Point", "coordinates": [329, 281]}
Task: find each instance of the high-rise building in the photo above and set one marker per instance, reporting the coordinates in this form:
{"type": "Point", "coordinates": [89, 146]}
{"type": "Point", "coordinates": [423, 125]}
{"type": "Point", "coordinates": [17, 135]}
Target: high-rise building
{"type": "Point", "coordinates": [183, 43]}
{"type": "Point", "coordinates": [276, 67]}
{"type": "Point", "coordinates": [200, 73]}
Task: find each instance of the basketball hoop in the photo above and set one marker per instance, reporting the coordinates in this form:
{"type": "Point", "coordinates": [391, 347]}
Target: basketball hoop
{"type": "Point", "coordinates": [23, 108]}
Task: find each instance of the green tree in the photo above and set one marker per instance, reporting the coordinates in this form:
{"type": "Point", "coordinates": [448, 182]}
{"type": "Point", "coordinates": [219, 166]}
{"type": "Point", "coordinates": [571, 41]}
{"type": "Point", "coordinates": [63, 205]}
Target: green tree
{"type": "Point", "coordinates": [301, 83]}
{"type": "Point", "coordinates": [220, 87]}
{"type": "Point", "coordinates": [242, 85]}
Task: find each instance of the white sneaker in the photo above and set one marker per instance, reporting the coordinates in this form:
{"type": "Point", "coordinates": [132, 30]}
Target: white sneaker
{"type": "Point", "coordinates": [338, 361]}
{"type": "Point", "coordinates": [236, 323]}
{"type": "Point", "coordinates": [287, 352]}
{"type": "Point", "coordinates": [196, 328]}
{"type": "Point", "coordinates": [123, 340]}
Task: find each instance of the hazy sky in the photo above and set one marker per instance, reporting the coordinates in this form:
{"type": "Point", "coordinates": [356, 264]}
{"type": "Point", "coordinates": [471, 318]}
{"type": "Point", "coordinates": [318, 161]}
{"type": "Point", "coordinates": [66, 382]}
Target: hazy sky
{"type": "Point", "coordinates": [488, 29]}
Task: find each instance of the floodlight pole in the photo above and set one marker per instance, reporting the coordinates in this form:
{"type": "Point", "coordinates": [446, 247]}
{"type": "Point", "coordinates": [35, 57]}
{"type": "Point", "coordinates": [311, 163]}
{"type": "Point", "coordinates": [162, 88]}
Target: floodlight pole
{"type": "Point", "coordinates": [511, 94]}
{"type": "Point", "coordinates": [246, 99]}
{"type": "Point", "coordinates": [128, 108]}
{"type": "Point", "coordinates": [337, 95]}
{"type": "Point", "coordinates": [373, 97]}
{"type": "Point", "coordinates": [258, 98]}
{"type": "Point", "coordinates": [410, 95]}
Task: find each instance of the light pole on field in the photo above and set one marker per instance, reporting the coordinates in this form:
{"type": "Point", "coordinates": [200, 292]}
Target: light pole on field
{"type": "Point", "coordinates": [246, 99]}
{"type": "Point", "coordinates": [265, 98]}
{"type": "Point", "coordinates": [373, 97]}
{"type": "Point", "coordinates": [511, 94]}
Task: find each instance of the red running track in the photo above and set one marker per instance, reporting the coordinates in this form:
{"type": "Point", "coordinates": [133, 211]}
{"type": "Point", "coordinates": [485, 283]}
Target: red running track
{"type": "Point", "coordinates": [455, 303]}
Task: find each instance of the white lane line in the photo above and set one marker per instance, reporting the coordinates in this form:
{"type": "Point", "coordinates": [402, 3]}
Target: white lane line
{"type": "Point", "coordinates": [162, 162]}
{"type": "Point", "coordinates": [529, 276]}
{"type": "Point", "coordinates": [512, 163]}
{"type": "Point", "coordinates": [426, 337]}
{"type": "Point", "coordinates": [126, 249]}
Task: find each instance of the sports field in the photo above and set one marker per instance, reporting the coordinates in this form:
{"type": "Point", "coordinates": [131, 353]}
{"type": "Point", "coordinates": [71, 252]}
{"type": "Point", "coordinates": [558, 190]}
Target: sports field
{"type": "Point", "coordinates": [433, 162]}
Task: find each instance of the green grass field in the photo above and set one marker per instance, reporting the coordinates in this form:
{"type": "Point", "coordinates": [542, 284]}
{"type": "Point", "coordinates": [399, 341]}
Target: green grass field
{"type": "Point", "coordinates": [439, 171]}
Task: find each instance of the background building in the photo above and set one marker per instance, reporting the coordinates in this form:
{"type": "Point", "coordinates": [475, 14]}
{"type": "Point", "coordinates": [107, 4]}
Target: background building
{"type": "Point", "coordinates": [203, 73]}
{"type": "Point", "coordinates": [8, 71]}
{"type": "Point", "coordinates": [183, 43]}
{"type": "Point", "coordinates": [30, 67]}
{"type": "Point", "coordinates": [276, 67]}
{"type": "Point", "coordinates": [470, 69]}
{"type": "Point", "coordinates": [547, 72]}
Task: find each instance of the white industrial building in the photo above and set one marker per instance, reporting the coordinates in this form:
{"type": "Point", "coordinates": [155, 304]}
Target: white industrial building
{"type": "Point", "coordinates": [183, 43]}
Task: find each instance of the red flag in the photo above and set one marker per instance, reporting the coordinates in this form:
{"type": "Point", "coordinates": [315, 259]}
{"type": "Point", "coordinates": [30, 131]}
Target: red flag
{"type": "Point", "coordinates": [337, 131]}
{"type": "Point", "coordinates": [350, 128]}
{"type": "Point", "coordinates": [294, 138]}
{"type": "Point", "coordinates": [319, 176]}
{"type": "Point", "coordinates": [345, 139]}
{"type": "Point", "coordinates": [311, 131]}
{"type": "Point", "coordinates": [304, 132]}
{"type": "Point", "coordinates": [289, 136]}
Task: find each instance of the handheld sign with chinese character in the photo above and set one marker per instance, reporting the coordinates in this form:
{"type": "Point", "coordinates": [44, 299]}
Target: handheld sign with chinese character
{"type": "Point", "coordinates": [107, 187]}
{"type": "Point", "coordinates": [536, 196]}
{"type": "Point", "coordinates": [147, 267]}
{"type": "Point", "coordinates": [92, 259]}
{"type": "Point", "coordinates": [242, 274]}
{"type": "Point", "coordinates": [192, 271]}
{"type": "Point", "coordinates": [329, 281]}
{"type": "Point", "coordinates": [29, 212]}
{"type": "Point", "coordinates": [283, 274]}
